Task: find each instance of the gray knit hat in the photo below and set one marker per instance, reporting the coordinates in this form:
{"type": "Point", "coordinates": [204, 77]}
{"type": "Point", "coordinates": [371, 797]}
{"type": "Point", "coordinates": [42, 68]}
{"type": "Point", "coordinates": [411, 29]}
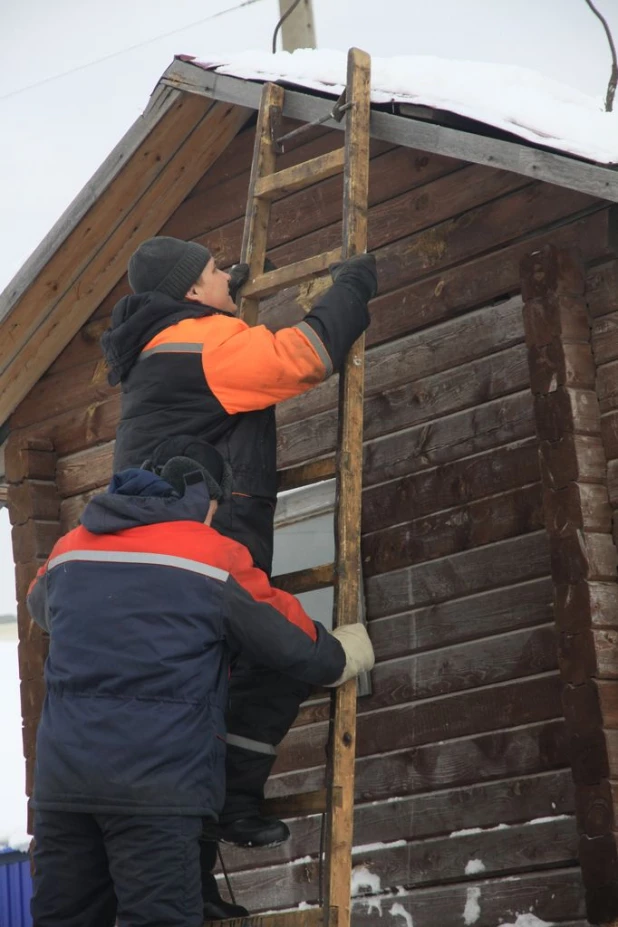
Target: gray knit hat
{"type": "Point", "coordinates": [167, 265]}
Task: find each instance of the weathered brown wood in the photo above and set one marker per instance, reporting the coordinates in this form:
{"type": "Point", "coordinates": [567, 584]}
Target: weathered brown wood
{"type": "Point", "coordinates": [605, 338]}
{"type": "Point", "coordinates": [413, 403]}
{"type": "Point", "coordinates": [507, 850]}
{"type": "Point", "coordinates": [473, 711]}
{"type": "Point", "coordinates": [266, 284]}
{"type": "Point", "coordinates": [470, 618]}
{"type": "Point", "coordinates": [105, 266]}
{"type": "Point", "coordinates": [34, 539]}
{"type": "Point", "coordinates": [586, 605]}
{"type": "Point", "coordinates": [255, 231]}
{"type": "Point", "coordinates": [573, 458]}
{"type": "Point", "coordinates": [578, 519]}
{"type": "Point", "coordinates": [507, 802]}
{"type": "Point", "coordinates": [421, 354]}
{"type": "Point", "coordinates": [291, 179]}
{"type": "Point", "coordinates": [85, 471]}
{"type": "Point", "coordinates": [482, 522]}
{"type": "Point", "coordinates": [472, 571]}
{"type": "Point", "coordinates": [526, 749]}
{"type": "Point", "coordinates": [72, 507]}
{"type": "Point", "coordinates": [314, 917]}
{"type": "Point", "coordinates": [33, 500]}
{"type": "Point", "coordinates": [349, 487]}
{"type": "Point", "coordinates": [451, 484]}
{"type": "Point", "coordinates": [29, 456]}
{"type": "Point", "coordinates": [306, 474]}
{"type": "Point", "coordinates": [305, 580]}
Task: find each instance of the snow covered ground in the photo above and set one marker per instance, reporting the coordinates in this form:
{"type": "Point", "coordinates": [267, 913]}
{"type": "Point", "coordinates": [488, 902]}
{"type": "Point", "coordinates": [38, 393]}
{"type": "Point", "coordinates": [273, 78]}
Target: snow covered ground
{"type": "Point", "coordinates": [12, 795]}
{"type": "Point", "coordinates": [518, 100]}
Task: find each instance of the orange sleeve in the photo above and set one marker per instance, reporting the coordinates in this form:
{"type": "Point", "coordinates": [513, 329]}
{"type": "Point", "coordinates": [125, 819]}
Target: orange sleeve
{"type": "Point", "coordinates": [253, 368]}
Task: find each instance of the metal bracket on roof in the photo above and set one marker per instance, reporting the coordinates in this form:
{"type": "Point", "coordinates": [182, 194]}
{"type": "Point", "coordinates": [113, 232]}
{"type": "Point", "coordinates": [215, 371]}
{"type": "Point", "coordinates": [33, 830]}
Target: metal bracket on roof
{"type": "Point", "coordinates": [339, 109]}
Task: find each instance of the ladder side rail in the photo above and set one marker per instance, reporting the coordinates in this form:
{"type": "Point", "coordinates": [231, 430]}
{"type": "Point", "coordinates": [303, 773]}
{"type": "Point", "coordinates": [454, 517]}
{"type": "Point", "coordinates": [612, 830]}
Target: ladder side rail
{"type": "Point", "coordinates": [348, 499]}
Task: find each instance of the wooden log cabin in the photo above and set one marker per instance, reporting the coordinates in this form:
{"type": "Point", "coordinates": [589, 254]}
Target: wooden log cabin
{"type": "Point", "coordinates": [487, 772]}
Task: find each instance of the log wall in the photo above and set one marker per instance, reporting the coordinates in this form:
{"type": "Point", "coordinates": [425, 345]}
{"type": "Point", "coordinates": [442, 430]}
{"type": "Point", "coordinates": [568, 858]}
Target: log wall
{"type": "Point", "coordinates": [464, 789]}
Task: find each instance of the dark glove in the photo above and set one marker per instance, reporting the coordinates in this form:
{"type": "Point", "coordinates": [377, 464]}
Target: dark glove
{"type": "Point", "coordinates": [360, 272]}
{"type": "Point", "coordinates": [239, 274]}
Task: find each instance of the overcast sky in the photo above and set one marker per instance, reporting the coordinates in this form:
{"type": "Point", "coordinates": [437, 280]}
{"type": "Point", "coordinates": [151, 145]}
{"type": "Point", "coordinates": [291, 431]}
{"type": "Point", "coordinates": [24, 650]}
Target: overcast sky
{"type": "Point", "coordinates": [54, 135]}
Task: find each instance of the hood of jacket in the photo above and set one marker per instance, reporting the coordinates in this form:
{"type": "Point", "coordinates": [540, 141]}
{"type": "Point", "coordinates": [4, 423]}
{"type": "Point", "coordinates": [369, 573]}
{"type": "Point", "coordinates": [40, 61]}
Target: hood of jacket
{"type": "Point", "coordinates": [136, 320]}
{"type": "Point", "coordinates": [138, 497]}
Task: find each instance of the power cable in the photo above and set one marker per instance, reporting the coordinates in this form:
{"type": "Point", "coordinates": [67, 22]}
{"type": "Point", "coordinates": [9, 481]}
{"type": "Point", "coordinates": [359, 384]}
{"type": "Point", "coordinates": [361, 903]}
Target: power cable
{"type": "Point", "coordinates": [281, 22]}
{"type": "Point", "coordinates": [124, 51]}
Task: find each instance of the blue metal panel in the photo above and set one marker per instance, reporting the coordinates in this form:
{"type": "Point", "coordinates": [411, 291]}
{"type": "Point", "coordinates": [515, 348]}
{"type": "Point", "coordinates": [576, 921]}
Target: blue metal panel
{"type": "Point", "coordinates": [15, 889]}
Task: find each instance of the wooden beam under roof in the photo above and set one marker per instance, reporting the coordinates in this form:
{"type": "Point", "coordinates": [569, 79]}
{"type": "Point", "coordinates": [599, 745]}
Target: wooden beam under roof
{"type": "Point", "coordinates": [520, 158]}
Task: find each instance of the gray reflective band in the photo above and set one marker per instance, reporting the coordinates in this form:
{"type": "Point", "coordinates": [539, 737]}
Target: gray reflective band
{"type": "Point", "coordinates": [247, 744]}
{"type": "Point", "coordinates": [121, 556]}
{"type": "Point", "coordinates": [174, 347]}
{"type": "Point", "coordinates": [323, 354]}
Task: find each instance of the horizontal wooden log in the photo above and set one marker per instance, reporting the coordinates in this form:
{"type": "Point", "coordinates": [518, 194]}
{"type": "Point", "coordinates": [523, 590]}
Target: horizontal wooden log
{"type": "Point", "coordinates": [561, 364]}
{"type": "Point", "coordinates": [553, 895]}
{"type": "Point", "coordinates": [583, 556]}
{"type": "Point", "coordinates": [507, 802]}
{"type": "Point", "coordinates": [29, 456]}
{"type": "Point", "coordinates": [34, 539]}
{"type": "Point", "coordinates": [585, 605]}
{"type": "Point", "coordinates": [512, 850]}
{"type": "Point", "coordinates": [549, 273]}
{"type": "Point", "coordinates": [502, 564]}
{"type": "Point", "coordinates": [605, 338]}
{"type": "Point", "coordinates": [414, 403]}
{"type": "Point", "coordinates": [595, 809]}
{"type": "Point", "coordinates": [33, 499]}
{"type": "Point", "coordinates": [452, 531]}
{"type": "Point", "coordinates": [85, 471]}
{"type": "Point", "coordinates": [588, 654]}
{"type": "Point", "coordinates": [313, 472]}
{"type": "Point", "coordinates": [582, 506]}
{"type": "Point", "coordinates": [420, 355]}
{"type": "Point", "coordinates": [609, 433]}
{"type": "Point", "coordinates": [294, 805]}
{"type": "Point", "coordinates": [602, 286]}
{"type": "Point", "coordinates": [572, 458]}
{"type": "Point", "coordinates": [599, 862]}
{"type": "Point", "coordinates": [573, 411]}
{"type": "Point", "coordinates": [470, 618]}
{"type": "Point", "coordinates": [451, 484]}
{"type": "Point", "coordinates": [607, 386]}
{"type": "Point", "coordinates": [524, 750]}
{"type": "Point", "coordinates": [473, 711]}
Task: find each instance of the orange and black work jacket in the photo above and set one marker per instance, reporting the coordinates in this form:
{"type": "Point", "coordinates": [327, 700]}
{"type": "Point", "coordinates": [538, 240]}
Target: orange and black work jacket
{"type": "Point", "coordinates": [186, 369]}
{"type": "Point", "coordinates": [145, 607]}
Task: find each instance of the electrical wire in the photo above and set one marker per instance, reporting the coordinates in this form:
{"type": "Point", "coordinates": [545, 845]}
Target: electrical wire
{"type": "Point", "coordinates": [281, 22]}
{"type": "Point", "coordinates": [124, 51]}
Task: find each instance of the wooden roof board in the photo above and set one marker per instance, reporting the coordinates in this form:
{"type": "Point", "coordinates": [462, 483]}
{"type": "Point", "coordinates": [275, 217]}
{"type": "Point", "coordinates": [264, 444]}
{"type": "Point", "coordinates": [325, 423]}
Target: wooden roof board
{"type": "Point", "coordinates": [19, 333]}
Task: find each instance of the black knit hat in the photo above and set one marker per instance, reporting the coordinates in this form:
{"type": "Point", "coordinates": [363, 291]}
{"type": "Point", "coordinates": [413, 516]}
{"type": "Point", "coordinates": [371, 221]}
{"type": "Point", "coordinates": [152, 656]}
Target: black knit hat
{"type": "Point", "coordinates": [175, 458]}
{"type": "Point", "coordinates": [167, 265]}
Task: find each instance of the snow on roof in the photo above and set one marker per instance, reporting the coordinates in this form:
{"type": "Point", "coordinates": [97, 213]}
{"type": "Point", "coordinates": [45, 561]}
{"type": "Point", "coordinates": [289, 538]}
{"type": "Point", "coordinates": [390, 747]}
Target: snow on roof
{"type": "Point", "coordinates": [517, 100]}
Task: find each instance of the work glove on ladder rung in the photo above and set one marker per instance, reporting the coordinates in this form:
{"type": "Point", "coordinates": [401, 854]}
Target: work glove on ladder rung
{"type": "Point", "coordinates": [358, 649]}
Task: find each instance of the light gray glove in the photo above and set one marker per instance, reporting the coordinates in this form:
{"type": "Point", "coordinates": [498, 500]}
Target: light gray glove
{"type": "Point", "coordinates": [359, 655]}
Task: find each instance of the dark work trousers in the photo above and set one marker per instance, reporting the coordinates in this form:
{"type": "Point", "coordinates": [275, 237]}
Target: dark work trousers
{"type": "Point", "coordinates": [91, 869]}
{"type": "Point", "coordinates": [262, 703]}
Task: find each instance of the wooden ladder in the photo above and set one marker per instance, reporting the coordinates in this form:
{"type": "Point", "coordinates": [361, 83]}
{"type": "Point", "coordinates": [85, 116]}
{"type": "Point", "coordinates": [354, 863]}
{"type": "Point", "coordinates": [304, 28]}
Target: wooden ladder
{"type": "Point", "coordinates": [337, 799]}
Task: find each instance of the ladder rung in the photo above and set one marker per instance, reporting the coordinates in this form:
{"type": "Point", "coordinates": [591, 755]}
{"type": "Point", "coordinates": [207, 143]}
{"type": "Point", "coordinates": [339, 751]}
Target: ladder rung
{"type": "Point", "coordinates": [305, 474]}
{"type": "Point", "coordinates": [306, 580]}
{"type": "Point", "coordinates": [290, 806]}
{"type": "Point", "coordinates": [267, 284]}
{"type": "Point", "coordinates": [306, 917]}
{"type": "Point", "coordinates": [300, 175]}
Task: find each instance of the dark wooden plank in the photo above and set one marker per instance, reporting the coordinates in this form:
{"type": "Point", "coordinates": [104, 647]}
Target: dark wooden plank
{"type": "Point", "coordinates": [82, 385]}
{"type": "Point", "coordinates": [509, 801]}
{"type": "Point", "coordinates": [34, 539]}
{"type": "Point", "coordinates": [402, 306]}
{"type": "Point", "coordinates": [475, 616]}
{"type": "Point", "coordinates": [263, 285]}
{"type": "Point", "coordinates": [412, 404]}
{"type": "Point", "coordinates": [450, 485]}
{"type": "Point", "coordinates": [552, 895]}
{"type": "Point", "coordinates": [452, 669]}
{"type": "Point", "coordinates": [607, 386]}
{"type": "Point", "coordinates": [508, 850]}
{"type": "Point", "coordinates": [474, 711]}
{"type": "Point", "coordinates": [602, 288]}
{"type": "Point", "coordinates": [452, 531]}
{"type": "Point", "coordinates": [605, 338]}
{"type": "Point", "coordinates": [422, 354]}
{"type": "Point", "coordinates": [502, 564]}
{"type": "Point", "coordinates": [33, 499]}
{"type": "Point", "coordinates": [524, 750]}
{"type": "Point", "coordinates": [86, 470]}
{"type": "Point", "coordinates": [312, 171]}
{"type": "Point", "coordinates": [305, 580]}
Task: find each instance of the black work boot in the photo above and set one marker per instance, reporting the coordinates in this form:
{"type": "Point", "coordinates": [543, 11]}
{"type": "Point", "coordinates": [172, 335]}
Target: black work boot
{"type": "Point", "coordinates": [215, 908]}
{"type": "Point", "coordinates": [253, 831]}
